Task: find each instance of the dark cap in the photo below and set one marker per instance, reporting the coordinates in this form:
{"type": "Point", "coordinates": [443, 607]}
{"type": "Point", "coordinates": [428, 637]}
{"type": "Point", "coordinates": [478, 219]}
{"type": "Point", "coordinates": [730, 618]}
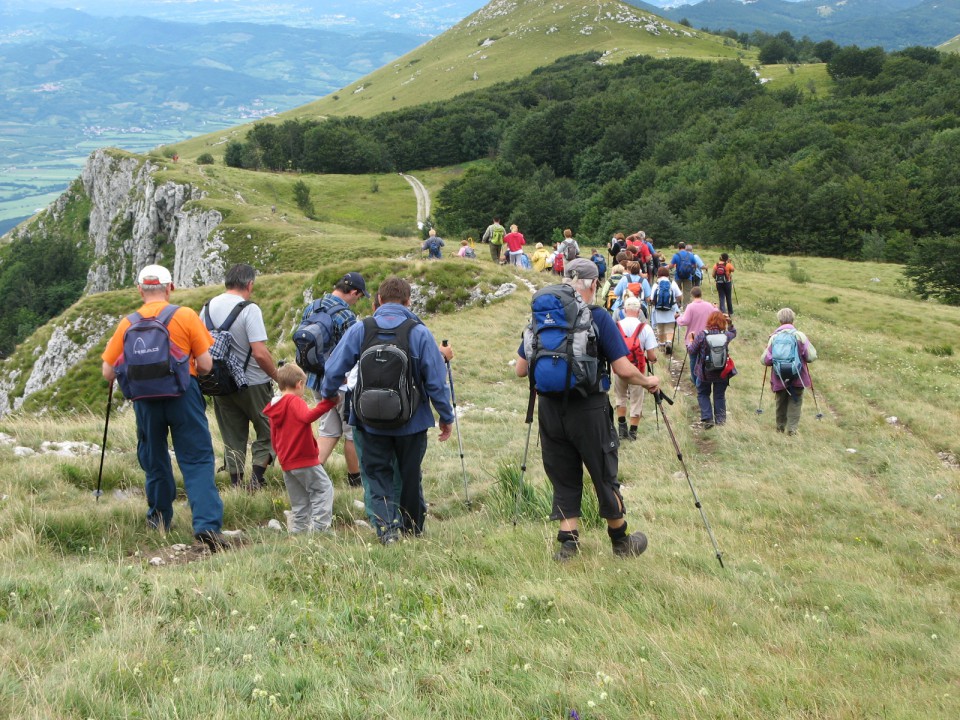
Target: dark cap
{"type": "Point", "coordinates": [581, 269]}
{"type": "Point", "coordinates": [355, 281]}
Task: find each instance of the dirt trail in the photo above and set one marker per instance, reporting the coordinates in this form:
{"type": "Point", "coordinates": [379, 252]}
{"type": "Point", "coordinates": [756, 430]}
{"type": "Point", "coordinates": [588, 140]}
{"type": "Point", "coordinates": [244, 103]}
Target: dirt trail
{"type": "Point", "coordinates": [423, 198]}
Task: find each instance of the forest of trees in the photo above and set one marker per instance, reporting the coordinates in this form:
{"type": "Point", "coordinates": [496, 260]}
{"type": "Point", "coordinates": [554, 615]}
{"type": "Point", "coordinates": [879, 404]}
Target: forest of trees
{"type": "Point", "coordinates": [682, 148]}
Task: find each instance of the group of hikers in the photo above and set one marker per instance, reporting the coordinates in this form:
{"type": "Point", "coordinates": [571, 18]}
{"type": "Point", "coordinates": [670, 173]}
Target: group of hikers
{"type": "Point", "coordinates": [372, 382]}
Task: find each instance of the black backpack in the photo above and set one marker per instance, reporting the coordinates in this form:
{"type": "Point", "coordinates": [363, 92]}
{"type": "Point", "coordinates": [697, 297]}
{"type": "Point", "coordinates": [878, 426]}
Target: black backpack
{"type": "Point", "coordinates": [387, 392]}
{"type": "Point", "coordinates": [228, 374]}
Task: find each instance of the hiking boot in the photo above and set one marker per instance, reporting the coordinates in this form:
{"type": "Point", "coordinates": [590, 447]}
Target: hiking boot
{"type": "Point", "coordinates": [669, 348]}
{"type": "Point", "coordinates": [568, 550]}
{"type": "Point", "coordinates": [632, 434]}
{"type": "Point", "coordinates": [155, 522]}
{"type": "Point", "coordinates": [633, 544]}
{"type": "Point", "coordinates": [353, 479]}
{"type": "Point", "coordinates": [622, 430]}
{"type": "Point", "coordinates": [390, 538]}
{"type": "Point", "coordinates": [213, 539]}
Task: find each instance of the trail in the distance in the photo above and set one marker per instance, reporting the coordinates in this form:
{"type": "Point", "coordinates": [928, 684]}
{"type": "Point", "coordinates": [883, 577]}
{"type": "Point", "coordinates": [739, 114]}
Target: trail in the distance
{"type": "Point", "coordinates": [423, 198]}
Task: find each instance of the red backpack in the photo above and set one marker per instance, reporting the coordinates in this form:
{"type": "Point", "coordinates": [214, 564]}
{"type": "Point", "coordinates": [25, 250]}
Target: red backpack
{"type": "Point", "coordinates": [558, 263]}
{"type": "Point", "coordinates": [635, 353]}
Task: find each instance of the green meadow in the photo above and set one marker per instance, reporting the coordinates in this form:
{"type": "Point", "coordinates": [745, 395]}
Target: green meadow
{"type": "Point", "coordinates": [839, 596]}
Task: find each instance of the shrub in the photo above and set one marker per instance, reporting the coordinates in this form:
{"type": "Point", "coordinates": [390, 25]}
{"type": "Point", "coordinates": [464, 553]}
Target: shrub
{"type": "Point", "coordinates": [205, 159]}
{"type": "Point", "coordinates": [832, 300]}
{"type": "Point", "coordinates": [399, 231]}
{"type": "Point", "coordinates": [797, 274]}
{"type": "Point", "coordinates": [939, 350]}
{"type": "Point", "coordinates": [749, 259]}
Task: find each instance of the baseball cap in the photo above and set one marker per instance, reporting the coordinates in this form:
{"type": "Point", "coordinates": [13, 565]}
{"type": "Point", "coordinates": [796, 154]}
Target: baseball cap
{"type": "Point", "coordinates": [631, 303]}
{"type": "Point", "coordinates": [154, 275]}
{"type": "Point", "coordinates": [355, 281]}
{"type": "Point", "coordinates": [581, 269]}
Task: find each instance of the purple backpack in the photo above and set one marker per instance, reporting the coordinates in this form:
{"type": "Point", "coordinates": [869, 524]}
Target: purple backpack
{"type": "Point", "coordinates": [151, 366]}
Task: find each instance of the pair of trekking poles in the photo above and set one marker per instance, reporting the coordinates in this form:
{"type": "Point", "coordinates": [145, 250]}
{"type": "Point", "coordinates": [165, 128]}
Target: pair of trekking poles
{"type": "Point", "coordinates": [763, 385]}
{"type": "Point", "coordinates": [659, 397]}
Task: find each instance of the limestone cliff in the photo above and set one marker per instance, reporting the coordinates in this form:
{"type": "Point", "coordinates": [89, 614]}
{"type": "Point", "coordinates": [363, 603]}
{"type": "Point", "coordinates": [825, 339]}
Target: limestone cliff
{"type": "Point", "coordinates": [135, 222]}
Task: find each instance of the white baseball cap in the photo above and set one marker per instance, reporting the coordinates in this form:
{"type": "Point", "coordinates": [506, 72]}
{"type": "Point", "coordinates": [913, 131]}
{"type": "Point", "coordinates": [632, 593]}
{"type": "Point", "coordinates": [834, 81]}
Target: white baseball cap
{"type": "Point", "coordinates": [154, 275]}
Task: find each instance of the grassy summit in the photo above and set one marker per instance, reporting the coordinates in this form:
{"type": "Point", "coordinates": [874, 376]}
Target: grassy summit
{"type": "Point", "coordinates": [502, 41]}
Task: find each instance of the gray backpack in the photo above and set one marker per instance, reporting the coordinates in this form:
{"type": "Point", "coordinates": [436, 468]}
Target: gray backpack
{"type": "Point", "coordinates": [715, 354]}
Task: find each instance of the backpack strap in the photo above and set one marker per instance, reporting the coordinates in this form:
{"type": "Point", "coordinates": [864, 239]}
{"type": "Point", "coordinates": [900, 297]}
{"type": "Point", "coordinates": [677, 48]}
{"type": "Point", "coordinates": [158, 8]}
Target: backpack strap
{"type": "Point", "coordinates": [234, 314]}
{"type": "Point", "coordinates": [166, 314]}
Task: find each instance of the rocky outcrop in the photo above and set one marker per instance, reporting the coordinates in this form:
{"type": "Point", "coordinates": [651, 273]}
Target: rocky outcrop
{"type": "Point", "coordinates": [135, 222]}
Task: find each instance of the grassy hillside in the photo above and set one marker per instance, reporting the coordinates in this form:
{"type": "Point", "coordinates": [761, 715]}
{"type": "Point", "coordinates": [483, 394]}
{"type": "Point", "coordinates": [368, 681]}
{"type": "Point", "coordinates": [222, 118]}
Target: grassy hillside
{"type": "Point", "coordinates": [951, 45]}
{"type": "Point", "coordinates": [502, 41]}
{"type": "Point", "coordinates": [839, 598]}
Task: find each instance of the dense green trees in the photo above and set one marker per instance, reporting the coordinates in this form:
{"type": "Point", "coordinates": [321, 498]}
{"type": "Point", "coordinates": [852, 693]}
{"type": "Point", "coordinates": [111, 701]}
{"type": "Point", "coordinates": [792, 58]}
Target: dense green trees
{"type": "Point", "coordinates": [39, 279]}
{"type": "Point", "coordinates": [681, 148]}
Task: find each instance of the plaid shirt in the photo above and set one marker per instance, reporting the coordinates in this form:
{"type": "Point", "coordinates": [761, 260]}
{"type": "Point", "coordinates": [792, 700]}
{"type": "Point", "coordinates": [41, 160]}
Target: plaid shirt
{"type": "Point", "coordinates": [342, 316]}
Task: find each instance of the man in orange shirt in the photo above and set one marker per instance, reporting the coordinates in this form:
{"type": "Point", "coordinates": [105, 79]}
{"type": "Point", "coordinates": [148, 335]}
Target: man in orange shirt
{"type": "Point", "coordinates": [182, 415]}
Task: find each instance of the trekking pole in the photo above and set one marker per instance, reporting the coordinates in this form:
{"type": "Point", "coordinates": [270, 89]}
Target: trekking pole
{"type": "Point", "coordinates": [656, 414]}
{"type": "Point", "coordinates": [682, 366]}
{"type": "Point", "coordinates": [103, 446]}
{"type": "Point", "coordinates": [762, 386]}
{"type": "Point", "coordinates": [819, 414]}
{"type": "Point", "coordinates": [526, 448]}
{"type": "Point", "coordinates": [660, 397]}
{"type": "Point", "coordinates": [456, 422]}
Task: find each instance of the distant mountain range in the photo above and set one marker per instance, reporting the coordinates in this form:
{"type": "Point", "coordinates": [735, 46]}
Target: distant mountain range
{"type": "Point", "coordinates": [891, 24]}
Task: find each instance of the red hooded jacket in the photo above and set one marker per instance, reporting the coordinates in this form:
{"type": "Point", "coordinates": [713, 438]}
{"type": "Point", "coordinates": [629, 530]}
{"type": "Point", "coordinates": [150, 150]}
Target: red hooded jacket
{"type": "Point", "coordinates": [291, 430]}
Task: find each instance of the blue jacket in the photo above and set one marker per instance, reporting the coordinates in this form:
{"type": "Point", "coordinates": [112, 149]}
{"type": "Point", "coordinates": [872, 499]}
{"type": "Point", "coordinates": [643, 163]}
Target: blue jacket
{"type": "Point", "coordinates": [428, 367]}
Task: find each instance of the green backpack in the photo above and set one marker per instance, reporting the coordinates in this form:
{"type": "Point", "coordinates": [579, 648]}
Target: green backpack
{"type": "Point", "coordinates": [498, 233]}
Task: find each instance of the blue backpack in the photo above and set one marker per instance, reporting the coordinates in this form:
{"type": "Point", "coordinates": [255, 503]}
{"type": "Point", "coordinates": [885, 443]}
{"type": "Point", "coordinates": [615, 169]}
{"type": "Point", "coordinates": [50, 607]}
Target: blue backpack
{"type": "Point", "coordinates": [314, 339]}
{"type": "Point", "coordinates": [560, 343]}
{"type": "Point", "coordinates": [785, 353]}
{"type": "Point", "coordinates": [663, 297]}
{"type": "Point", "coordinates": [152, 366]}
{"type": "Point", "coordinates": [600, 263]}
{"type": "Point", "coordinates": [686, 265]}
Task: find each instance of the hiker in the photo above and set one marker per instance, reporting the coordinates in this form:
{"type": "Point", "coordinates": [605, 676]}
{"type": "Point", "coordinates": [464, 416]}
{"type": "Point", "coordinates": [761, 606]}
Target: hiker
{"type": "Point", "coordinates": [338, 304]}
{"type": "Point", "coordinates": [683, 266]}
{"type": "Point", "coordinates": [723, 277]}
{"type": "Point", "coordinates": [541, 258]}
{"type": "Point", "coordinates": [788, 353]}
{"type": "Point", "coordinates": [568, 248]}
{"type": "Point", "coordinates": [608, 292]}
{"type": "Point", "coordinates": [666, 300]}
{"type": "Point", "coordinates": [466, 250]}
{"type": "Point", "coordinates": [236, 412]}
{"type": "Point", "coordinates": [600, 262]}
{"type": "Point", "coordinates": [641, 351]}
{"type": "Point", "coordinates": [631, 283]}
{"type": "Point", "coordinates": [699, 266]}
{"type": "Point", "coordinates": [400, 373]}
{"type": "Point", "coordinates": [577, 430]}
{"type": "Point", "coordinates": [291, 427]}
{"type": "Point", "coordinates": [713, 367]}
{"type": "Point", "coordinates": [617, 245]}
{"type": "Point", "coordinates": [694, 319]}
{"type": "Point", "coordinates": [494, 235]}
{"type": "Point", "coordinates": [175, 407]}
{"type": "Point", "coordinates": [514, 241]}
{"type": "Point", "coordinates": [432, 245]}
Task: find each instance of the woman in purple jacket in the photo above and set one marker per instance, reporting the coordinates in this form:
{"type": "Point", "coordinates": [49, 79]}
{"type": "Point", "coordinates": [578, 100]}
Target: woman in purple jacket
{"type": "Point", "coordinates": [788, 386]}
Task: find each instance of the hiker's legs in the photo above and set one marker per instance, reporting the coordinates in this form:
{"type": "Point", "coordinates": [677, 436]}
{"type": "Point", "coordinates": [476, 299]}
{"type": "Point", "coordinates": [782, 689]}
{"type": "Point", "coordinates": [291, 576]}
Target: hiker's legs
{"type": "Point", "coordinates": [331, 429]}
{"type": "Point", "coordinates": [186, 416]}
{"type": "Point", "coordinates": [685, 287]}
{"type": "Point", "coordinates": [319, 492]}
{"type": "Point", "coordinates": [782, 397]}
{"type": "Point", "coordinates": [255, 399]}
{"type": "Point", "coordinates": [794, 407]}
{"type": "Point", "coordinates": [154, 456]}
{"type": "Point", "coordinates": [299, 499]}
{"type": "Point", "coordinates": [234, 431]}
{"type": "Point", "coordinates": [720, 401]}
{"type": "Point", "coordinates": [410, 451]}
{"type": "Point", "coordinates": [703, 400]}
{"type": "Point", "coordinates": [562, 464]}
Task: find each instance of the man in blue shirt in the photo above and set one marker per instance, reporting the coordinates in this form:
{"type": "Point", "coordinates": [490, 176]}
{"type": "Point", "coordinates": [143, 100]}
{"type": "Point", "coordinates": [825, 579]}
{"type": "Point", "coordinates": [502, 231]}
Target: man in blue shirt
{"type": "Point", "coordinates": [684, 267]}
{"type": "Point", "coordinates": [406, 445]}
{"type": "Point", "coordinates": [578, 431]}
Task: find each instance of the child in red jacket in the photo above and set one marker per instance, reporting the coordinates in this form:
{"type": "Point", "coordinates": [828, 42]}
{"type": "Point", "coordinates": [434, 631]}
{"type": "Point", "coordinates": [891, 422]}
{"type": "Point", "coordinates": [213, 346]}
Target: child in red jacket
{"type": "Point", "coordinates": [291, 431]}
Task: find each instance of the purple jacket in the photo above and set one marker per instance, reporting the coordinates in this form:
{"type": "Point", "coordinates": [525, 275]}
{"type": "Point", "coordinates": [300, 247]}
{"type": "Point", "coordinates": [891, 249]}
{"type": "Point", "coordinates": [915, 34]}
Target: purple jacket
{"type": "Point", "coordinates": [808, 354]}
